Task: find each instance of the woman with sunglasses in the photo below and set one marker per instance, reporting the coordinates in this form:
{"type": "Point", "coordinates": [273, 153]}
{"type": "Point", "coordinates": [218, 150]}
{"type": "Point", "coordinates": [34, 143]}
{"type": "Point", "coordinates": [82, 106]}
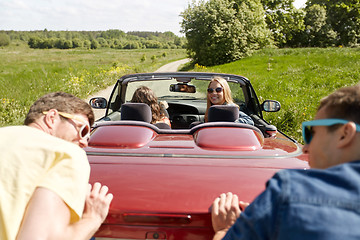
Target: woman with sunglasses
{"type": "Point", "coordinates": [219, 93]}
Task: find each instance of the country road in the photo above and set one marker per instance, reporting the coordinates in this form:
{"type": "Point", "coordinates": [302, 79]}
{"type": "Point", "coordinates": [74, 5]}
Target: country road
{"type": "Point", "coordinates": [170, 67]}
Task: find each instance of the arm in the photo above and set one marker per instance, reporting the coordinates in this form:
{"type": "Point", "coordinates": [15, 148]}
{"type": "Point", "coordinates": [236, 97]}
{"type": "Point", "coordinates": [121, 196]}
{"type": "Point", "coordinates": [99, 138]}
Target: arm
{"type": "Point", "coordinates": [244, 118]}
{"type": "Point", "coordinates": [225, 211]}
{"type": "Point", "coordinates": [47, 216]}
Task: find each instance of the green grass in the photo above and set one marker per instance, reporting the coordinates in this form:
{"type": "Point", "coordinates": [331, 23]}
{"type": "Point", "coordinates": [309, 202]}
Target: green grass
{"type": "Point", "coordinates": [298, 78]}
{"type": "Point", "coordinates": [26, 74]}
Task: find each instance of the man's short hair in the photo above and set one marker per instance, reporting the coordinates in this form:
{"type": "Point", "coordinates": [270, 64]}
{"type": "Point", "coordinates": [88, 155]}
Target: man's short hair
{"type": "Point", "coordinates": [61, 101]}
{"type": "Point", "coordinates": [344, 103]}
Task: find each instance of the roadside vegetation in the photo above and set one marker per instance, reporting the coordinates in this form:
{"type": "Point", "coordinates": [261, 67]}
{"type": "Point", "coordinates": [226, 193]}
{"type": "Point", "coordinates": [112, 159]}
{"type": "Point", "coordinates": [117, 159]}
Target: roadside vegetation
{"type": "Point", "coordinates": [296, 56]}
{"type": "Point", "coordinates": [26, 74]}
{"type": "Point", "coordinates": [222, 31]}
{"type": "Point", "coordinates": [297, 78]}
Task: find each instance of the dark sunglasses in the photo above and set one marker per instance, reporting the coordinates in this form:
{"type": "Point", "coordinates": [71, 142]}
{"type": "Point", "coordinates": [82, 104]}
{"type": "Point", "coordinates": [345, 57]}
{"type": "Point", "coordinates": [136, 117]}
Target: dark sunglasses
{"type": "Point", "coordinates": [307, 126]}
{"type": "Point", "coordinates": [218, 89]}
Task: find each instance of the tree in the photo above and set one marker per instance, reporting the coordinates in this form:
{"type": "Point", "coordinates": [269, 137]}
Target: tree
{"type": "Point", "coordinates": [4, 39]}
{"type": "Point", "coordinates": [286, 22]}
{"type": "Point", "coordinates": [221, 31]}
{"type": "Point", "coordinates": [318, 32]}
{"type": "Point", "coordinates": [344, 18]}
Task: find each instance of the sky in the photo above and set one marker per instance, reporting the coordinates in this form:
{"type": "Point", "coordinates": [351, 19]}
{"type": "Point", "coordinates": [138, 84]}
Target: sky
{"type": "Point", "coordinates": [93, 15]}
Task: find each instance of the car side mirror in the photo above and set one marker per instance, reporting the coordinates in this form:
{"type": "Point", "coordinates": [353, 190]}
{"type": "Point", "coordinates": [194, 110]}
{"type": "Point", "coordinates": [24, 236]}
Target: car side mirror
{"type": "Point", "coordinates": [182, 87]}
{"type": "Point", "coordinates": [270, 106]}
{"type": "Point", "coordinates": [98, 102]}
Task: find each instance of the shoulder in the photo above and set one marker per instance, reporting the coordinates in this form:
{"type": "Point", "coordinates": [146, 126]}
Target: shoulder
{"type": "Point", "coordinates": [34, 141]}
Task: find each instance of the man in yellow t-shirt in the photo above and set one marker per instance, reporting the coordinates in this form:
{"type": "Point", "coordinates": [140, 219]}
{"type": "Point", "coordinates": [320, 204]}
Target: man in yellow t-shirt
{"type": "Point", "coordinates": [44, 174]}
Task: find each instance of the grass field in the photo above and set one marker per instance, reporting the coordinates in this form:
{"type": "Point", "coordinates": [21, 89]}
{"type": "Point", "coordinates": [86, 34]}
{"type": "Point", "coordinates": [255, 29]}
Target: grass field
{"type": "Point", "coordinates": [298, 78]}
{"type": "Point", "coordinates": [26, 74]}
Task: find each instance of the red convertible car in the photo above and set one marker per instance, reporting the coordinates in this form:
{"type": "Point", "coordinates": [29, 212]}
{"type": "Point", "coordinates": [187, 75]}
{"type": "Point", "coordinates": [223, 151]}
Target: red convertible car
{"type": "Point", "coordinates": [164, 180]}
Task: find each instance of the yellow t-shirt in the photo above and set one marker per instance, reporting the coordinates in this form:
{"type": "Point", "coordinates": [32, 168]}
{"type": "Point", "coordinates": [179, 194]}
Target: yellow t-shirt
{"type": "Point", "coordinates": [31, 158]}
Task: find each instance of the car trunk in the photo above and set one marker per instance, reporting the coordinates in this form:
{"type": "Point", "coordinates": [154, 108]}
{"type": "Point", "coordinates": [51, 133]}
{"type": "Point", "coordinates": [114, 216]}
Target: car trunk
{"type": "Point", "coordinates": [170, 198]}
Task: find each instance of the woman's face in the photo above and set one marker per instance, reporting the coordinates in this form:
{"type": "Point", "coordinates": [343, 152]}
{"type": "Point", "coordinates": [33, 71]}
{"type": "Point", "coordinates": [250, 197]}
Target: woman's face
{"type": "Point", "coordinates": [216, 98]}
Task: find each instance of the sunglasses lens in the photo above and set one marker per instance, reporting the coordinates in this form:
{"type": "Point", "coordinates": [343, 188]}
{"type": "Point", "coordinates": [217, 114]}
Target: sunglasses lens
{"type": "Point", "coordinates": [308, 134]}
{"type": "Point", "coordinates": [84, 131]}
{"type": "Point", "coordinates": [219, 89]}
{"type": "Point", "coordinates": [210, 90]}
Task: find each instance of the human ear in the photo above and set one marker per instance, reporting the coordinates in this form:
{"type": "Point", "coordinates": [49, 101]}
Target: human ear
{"type": "Point", "coordinates": [347, 134]}
{"type": "Point", "coordinates": [50, 118]}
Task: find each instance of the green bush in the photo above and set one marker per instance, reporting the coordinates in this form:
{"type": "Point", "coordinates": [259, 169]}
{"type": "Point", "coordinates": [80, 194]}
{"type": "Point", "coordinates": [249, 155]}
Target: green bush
{"type": "Point", "coordinates": [4, 39]}
{"type": "Point", "coordinates": [222, 31]}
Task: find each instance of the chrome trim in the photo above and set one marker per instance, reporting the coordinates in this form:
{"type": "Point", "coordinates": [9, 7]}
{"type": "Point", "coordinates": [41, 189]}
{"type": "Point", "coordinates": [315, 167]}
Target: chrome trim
{"type": "Point", "coordinates": [296, 153]}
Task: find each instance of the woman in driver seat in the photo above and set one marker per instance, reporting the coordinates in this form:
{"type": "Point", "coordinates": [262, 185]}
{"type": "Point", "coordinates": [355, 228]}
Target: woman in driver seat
{"type": "Point", "coordinates": [219, 93]}
{"type": "Point", "coordinates": [145, 95]}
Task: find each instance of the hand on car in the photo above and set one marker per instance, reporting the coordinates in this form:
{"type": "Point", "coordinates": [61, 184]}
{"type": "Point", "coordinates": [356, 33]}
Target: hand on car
{"type": "Point", "coordinates": [97, 202]}
{"type": "Point", "coordinates": [225, 210]}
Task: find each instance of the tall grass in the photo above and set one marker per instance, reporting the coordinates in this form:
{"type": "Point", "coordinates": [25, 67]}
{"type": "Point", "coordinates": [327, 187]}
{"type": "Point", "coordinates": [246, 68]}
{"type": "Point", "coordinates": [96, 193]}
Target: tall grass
{"type": "Point", "coordinates": [298, 78]}
{"type": "Point", "coordinates": [26, 74]}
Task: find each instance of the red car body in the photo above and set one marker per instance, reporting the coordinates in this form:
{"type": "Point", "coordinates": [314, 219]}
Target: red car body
{"type": "Point", "coordinates": [165, 180]}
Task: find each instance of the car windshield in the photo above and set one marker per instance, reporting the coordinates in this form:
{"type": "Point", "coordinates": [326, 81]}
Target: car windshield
{"type": "Point", "coordinates": [161, 89]}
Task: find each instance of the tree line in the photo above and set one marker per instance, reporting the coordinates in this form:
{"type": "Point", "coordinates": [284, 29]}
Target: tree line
{"type": "Point", "coordinates": [94, 39]}
{"type": "Point", "coordinates": [221, 31]}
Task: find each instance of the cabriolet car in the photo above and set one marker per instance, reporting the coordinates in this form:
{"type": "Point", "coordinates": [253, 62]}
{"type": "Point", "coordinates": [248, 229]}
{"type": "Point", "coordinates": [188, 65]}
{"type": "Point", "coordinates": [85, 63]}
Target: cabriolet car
{"type": "Point", "coordinates": [164, 180]}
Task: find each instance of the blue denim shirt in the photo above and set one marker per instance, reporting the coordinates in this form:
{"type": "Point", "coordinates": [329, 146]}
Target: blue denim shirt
{"type": "Point", "coordinates": [243, 117]}
{"type": "Point", "coordinates": [305, 204]}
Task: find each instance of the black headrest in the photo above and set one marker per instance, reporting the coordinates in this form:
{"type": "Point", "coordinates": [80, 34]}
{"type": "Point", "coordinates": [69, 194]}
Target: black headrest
{"type": "Point", "coordinates": [223, 113]}
{"type": "Point", "coordinates": [136, 112]}
{"type": "Point", "coordinates": [162, 125]}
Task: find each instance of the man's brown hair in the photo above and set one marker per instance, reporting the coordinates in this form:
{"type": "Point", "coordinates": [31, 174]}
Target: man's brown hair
{"type": "Point", "coordinates": [344, 103]}
{"type": "Point", "coordinates": [61, 101]}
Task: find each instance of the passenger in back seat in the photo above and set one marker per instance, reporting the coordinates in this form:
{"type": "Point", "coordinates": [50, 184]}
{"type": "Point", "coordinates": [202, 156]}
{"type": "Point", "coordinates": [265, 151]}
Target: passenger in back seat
{"type": "Point", "coordinates": [145, 95]}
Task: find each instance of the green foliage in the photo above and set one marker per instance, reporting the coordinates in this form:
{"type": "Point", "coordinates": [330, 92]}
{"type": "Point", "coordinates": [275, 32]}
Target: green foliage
{"type": "Point", "coordinates": [26, 74]}
{"type": "Point", "coordinates": [318, 30]}
{"type": "Point", "coordinates": [111, 38]}
{"type": "Point", "coordinates": [286, 22]}
{"type": "Point", "coordinates": [94, 44]}
{"type": "Point", "coordinates": [11, 111]}
{"type": "Point", "coordinates": [4, 39]}
{"type": "Point", "coordinates": [298, 78]}
{"type": "Point", "coordinates": [344, 19]}
{"type": "Point", "coordinates": [221, 31]}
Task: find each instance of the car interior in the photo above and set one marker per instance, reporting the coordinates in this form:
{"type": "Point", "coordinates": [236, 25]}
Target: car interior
{"type": "Point", "coordinates": [186, 99]}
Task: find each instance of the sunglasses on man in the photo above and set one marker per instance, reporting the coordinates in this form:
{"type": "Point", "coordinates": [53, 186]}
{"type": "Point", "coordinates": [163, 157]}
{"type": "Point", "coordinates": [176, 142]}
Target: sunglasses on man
{"type": "Point", "coordinates": [84, 130]}
{"type": "Point", "coordinates": [218, 90]}
{"type": "Point", "coordinates": [308, 133]}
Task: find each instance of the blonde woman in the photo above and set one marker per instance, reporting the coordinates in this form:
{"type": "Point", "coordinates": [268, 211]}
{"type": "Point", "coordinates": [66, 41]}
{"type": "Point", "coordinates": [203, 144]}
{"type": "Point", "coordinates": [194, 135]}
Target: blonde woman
{"type": "Point", "coordinates": [219, 93]}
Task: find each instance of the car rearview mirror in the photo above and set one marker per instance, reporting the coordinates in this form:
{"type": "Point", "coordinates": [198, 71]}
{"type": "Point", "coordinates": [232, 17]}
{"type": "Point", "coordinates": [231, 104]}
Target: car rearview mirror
{"type": "Point", "coordinates": [182, 87]}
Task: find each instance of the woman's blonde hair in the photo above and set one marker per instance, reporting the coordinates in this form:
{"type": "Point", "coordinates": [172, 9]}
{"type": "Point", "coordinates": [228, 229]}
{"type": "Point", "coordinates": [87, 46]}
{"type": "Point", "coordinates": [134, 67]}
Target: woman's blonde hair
{"type": "Point", "coordinates": [227, 93]}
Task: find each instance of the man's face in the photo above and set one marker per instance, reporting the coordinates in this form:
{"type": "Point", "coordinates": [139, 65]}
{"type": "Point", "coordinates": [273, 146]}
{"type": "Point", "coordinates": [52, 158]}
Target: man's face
{"type": "Point", "coordinates": [322, 148]}
{"type": "Point", "coordinates": [68, 129]}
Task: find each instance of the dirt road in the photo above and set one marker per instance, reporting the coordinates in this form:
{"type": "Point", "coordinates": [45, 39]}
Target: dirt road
{"type": "Point", "coordinates": [170, 67]}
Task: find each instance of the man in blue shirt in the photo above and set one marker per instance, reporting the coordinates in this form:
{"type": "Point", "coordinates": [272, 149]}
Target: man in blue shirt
{"type": "Point", "coordinates": [320, 203]}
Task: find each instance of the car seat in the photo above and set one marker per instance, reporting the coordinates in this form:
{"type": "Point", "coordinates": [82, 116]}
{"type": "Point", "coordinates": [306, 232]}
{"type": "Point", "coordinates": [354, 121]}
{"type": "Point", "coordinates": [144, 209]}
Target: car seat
{"type": "Point", "coordinates": [223, 113]}
{"type": "Point", "coordinates": [136, 112]}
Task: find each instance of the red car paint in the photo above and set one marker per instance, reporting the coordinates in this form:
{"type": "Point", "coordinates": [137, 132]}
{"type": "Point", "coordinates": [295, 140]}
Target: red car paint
{"type": "Point", "coordinates": [164, 182]}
